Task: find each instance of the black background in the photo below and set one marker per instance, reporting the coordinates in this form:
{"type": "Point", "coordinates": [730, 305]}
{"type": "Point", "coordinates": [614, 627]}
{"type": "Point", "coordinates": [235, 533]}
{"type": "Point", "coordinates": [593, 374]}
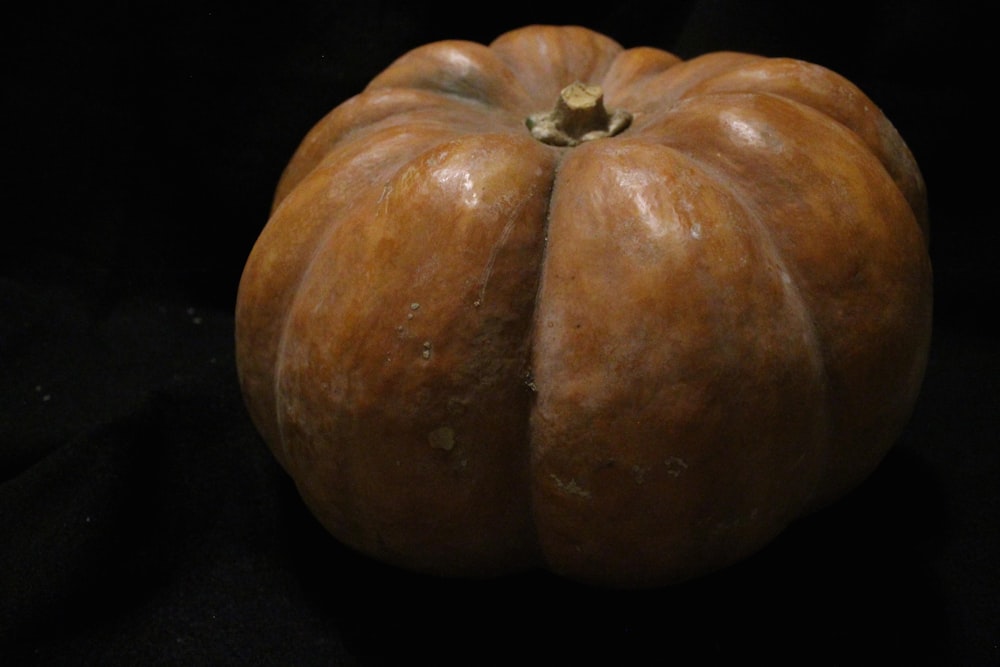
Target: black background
{"type": "Point", "coordinates": [142, 520]}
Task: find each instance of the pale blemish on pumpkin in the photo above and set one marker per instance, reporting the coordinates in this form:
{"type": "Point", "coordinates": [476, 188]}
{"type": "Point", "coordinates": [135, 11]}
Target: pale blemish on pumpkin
{"type": "Point", "coordinates": [639, 473]}
{"type": "Point", "coordinates": [386, 189]}
{"type": "Point", "coordinates": [736, 523]}
{"type": "Point", "coordinates": [675, 466]}
{"type": "Point", "coordinates": [570, 487]}
{"type": "Point", "coordinates": [425, 351]}
{"type": "Point", "coordinates": [442, 438]}
{"type": "Point", "coordinates": [495, 250]}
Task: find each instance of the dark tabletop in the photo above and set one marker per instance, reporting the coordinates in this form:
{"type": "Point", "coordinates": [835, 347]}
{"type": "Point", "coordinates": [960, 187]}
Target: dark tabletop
{"type": "Point", "coordinates": [143, 521]}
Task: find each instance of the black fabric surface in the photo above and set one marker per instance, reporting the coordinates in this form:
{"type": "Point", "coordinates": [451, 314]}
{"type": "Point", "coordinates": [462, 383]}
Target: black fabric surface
{"type": "Point", "coordinates": [142, 520]}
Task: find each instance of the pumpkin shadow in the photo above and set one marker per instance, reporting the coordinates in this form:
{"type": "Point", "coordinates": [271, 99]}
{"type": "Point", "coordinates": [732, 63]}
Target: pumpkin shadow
{"type": "Point", "coordinates": [850, 584]}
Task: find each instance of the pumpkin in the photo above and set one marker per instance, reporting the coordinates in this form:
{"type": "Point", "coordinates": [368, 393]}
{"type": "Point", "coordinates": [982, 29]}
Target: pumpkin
{"type": "Point", "coordinates": [551, 303]}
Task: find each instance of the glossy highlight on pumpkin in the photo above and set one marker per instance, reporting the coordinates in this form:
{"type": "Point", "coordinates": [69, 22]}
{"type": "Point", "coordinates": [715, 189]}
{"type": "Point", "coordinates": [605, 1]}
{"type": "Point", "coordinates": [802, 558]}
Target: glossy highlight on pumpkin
{"type": "Point", "coordinates": [631, 361]}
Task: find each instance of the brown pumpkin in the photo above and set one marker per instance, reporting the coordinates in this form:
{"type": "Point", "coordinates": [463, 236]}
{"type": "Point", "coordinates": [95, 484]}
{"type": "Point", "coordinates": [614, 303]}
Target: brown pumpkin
{"type": "Point", "coordinates": [628, 340]}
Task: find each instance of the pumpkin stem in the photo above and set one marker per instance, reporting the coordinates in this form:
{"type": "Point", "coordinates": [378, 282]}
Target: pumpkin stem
{"type": "Point", "coordinates": [579, 115]}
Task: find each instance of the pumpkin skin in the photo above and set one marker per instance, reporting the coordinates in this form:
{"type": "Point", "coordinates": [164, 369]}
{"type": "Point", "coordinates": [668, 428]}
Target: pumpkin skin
{"type": "Point", "coordinates": [631, 362]}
